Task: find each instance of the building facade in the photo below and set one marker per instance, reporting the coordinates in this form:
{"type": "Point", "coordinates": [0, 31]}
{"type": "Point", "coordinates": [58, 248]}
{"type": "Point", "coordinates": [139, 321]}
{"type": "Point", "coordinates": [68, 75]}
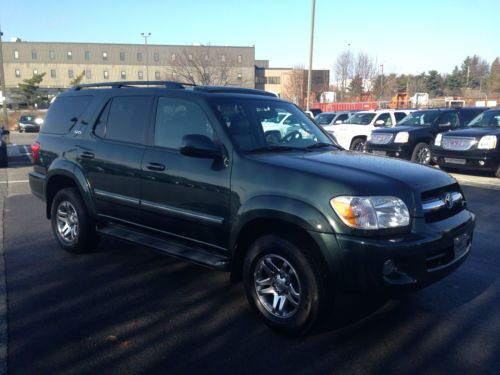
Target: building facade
{"type": "Point", "coordinates": [62, 62]}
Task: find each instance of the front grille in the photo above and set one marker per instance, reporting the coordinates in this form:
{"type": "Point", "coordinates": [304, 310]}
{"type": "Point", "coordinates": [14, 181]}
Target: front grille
{"type": "Point", "coordinates": [458, 143]}
{"type": "Point", "coordinates": [442, 203]}
{"type": "Point", "coordinates": [380, 139]}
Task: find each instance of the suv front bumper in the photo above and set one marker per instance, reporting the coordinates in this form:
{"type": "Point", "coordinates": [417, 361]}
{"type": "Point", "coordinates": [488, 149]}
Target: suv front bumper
{"type": "Point", "coordinates": [401, 263]}
{"type": "Point", "coordinates": [395, 150]}
{"type": "Point", "coordinates": [485, 160]}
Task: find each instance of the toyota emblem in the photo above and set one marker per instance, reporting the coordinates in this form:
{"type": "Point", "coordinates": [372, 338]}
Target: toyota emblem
{"type": "Point", "coordinates": [448, 200]}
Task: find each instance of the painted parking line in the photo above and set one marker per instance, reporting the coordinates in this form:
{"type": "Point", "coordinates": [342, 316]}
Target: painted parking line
{"type": "Point", "coordinates": [14, 182]}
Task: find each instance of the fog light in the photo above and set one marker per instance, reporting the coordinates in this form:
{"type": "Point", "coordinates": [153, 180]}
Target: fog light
{"type": "Point", "coordinates": [397, 154]}
{"type": "Point", "coordinates": [389, 267]}
{"type": "Point", "coordinates": [481, 162]}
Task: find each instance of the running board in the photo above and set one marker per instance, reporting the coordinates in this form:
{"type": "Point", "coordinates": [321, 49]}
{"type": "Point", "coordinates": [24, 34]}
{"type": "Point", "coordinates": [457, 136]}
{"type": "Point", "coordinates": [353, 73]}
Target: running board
{"type": "Point", "coordinates": [174, 248]}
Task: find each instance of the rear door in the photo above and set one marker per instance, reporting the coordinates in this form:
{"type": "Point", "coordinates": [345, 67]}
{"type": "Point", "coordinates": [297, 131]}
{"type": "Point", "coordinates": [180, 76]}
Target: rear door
{"type": "Point", "coordinates": [183, 195]}
{"type": "Point", "coordinates": [112, 155]}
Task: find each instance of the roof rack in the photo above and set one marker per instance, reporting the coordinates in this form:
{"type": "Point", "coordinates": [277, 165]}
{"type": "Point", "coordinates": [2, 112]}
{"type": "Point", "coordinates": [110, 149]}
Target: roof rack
{"type": "Point", "coordinates": [232, 90]}
{"type": "Point", "coordinates": [119, 85]}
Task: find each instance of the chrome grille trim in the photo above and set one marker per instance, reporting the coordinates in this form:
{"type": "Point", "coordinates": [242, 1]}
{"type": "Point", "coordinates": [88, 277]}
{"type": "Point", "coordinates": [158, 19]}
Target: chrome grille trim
{"type": "Point", "coordinates": [458, 143]}
{"type": "Point", "coordinates": [438, 203]}
{"type": "Point", "coordinates": [380, 139]}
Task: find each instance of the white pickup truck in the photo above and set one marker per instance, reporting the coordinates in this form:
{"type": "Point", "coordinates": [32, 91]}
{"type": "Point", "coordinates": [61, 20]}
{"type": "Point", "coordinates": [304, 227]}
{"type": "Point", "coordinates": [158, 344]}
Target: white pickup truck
{"type": "Point", "coordinates": [352, 134]}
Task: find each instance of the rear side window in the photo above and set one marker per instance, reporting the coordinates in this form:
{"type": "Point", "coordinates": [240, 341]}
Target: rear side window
{"type": "Point", "coordinates": [468, 115]}
{"type": "Point", "coordinates": [399, 116]}
{"type": "Point", "coordinates": [64, 112]}
{"type": "Point", "coordinates": [124, 119]}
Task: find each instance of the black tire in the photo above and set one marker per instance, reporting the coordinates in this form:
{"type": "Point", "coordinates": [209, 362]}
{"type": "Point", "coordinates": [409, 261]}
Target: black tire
{"type": "Point", "coordinates": [447, 169]}
{"type": "Point", "coordinates": [422, 154]}
{"type": "Point", "coordinates": [4, 159]}
{"type": "Point", "coordinates": [299, 317]}
{"type": "Point", "coordinates": [85, 237]}
{"type": "Point", "coordinates": [358, 144]}
{"type": "Point", "coordinates": [497, 173]}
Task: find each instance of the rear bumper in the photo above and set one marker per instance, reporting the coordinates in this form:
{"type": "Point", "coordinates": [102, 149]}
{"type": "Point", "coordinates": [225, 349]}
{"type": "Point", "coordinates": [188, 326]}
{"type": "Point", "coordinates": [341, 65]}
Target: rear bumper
{"type": "Point", "coordinates": [37, 184]}
{"type": "Point", "coordinates": [395, 150]}
{"type": "Point", "coordinates": [485, 160]}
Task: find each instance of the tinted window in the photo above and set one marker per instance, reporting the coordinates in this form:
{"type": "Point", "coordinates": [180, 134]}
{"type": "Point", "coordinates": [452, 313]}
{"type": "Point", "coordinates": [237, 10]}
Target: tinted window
{"type": "Point", "coordinates": [386, 118]}
{"type": "Point", "coordinates": [342, 117]}
{"type": "Point", "coordinates": [126, 120]}
{"type": "Point", "coordinates": [468, 115]}
{"type": "Point", "coordinates": [324, 118]}
{"type": "Point", "coordinates": [360, 118]}
{"type": "Point", "coordinates": [64, 112]}
{"type": "Point", "coordinates": [176, 118]}
{"type": "Point", "coordinates": [399, 116]}
{"type": "Point", "coordinates": [449, 117]}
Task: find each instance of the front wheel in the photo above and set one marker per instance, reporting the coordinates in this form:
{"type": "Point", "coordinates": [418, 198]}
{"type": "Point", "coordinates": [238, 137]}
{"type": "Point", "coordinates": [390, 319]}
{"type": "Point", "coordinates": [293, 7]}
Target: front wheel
{"type": "Point", "coordinates": [358, 145]}
{"type": "Point", "coordinates": [283, 284]}
{"type": "Point", "coordinates": [422, 154]}
{"type": "Point", "coordinates": [71, 224]}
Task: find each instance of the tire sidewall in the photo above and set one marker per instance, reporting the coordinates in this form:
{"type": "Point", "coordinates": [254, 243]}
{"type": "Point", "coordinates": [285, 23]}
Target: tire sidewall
{"type": "Point", "coordinates": [308, 308]}
{"type": "Point", "coordinates": [417, 149]}
{"type": "Point", "coordinates": [355, 143]}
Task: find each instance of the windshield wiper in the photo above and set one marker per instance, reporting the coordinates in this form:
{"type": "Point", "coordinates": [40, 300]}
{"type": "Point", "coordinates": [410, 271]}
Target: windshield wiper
{"type": "Point", "coordinates": [320, 145]}
{"type": "Point", "coordinates": [272, 148]}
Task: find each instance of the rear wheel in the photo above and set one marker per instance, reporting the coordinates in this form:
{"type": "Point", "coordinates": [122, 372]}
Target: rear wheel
{"type": "Point", "coordinates": [71, 224]}
{"type": "Point", "coordinates": [358, 144]}
{"type": "Point", "coordinates": [422, 154]}
{"type": "Point", "coordinates": [283, 284]}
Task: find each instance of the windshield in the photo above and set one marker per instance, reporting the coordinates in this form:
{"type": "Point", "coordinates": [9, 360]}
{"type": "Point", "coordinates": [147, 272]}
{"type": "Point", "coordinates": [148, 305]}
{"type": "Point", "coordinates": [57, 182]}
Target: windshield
{"type": "Point", "coordinates": [324, 118]}
{"type": "Point", "coordinates": [488, 119]}
{"type": "Point", "coordinates": [277, 119]}
{"type": "Point", "coordinates": [419, 118]}
{"type": "Point", "coordinates": [360, 118]}
{"type": "Point", "coordinates": [249, 126]}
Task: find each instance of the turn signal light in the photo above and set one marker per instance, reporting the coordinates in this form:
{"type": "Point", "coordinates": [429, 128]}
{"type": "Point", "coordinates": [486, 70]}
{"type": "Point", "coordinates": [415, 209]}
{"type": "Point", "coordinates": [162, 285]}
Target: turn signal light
{"type": "Point", "coordinates": [35, 149]}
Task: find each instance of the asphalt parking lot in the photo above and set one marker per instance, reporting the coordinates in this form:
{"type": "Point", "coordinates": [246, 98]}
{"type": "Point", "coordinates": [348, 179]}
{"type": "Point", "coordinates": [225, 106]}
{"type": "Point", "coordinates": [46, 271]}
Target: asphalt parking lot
{"type": "Point", "coordinates": [125, 309]}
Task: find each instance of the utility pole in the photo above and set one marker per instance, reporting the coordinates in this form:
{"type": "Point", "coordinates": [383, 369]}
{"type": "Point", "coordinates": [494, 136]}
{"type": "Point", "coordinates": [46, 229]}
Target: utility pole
{"type": "Point", "coordinates": [381, 80]}
{"type": "Point", "coordinates": [309, 78]}
{"type": "Point", "coordinates": [4, 92]}
{"type": "Point", "coordinates": [146, 36]}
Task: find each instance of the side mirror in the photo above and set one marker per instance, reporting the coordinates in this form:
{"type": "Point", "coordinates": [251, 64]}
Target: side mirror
{"type": "Point", "coordinates": [445, 125]}
{"type": "Point", "coordinates": [199, 146]}
{"type": "Point", "coordinates": [339, 122]}
{"type": "Point", "coordinates": [379, 122]}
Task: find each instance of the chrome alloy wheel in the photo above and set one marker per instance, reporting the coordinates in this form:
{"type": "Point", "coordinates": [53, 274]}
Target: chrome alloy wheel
{"type": "Point", "coordinates": [424, 155]}
{"type": "Point", "coordinates": [67, 222]}
{"type": "Point", "coordinates": [277, 285]}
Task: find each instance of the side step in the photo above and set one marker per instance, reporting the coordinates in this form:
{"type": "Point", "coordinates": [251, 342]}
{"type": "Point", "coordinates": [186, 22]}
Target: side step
{"type": "Point", "coordinates": [174, 248]}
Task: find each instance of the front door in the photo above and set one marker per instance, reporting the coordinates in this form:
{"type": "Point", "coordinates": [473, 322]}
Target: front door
{"type": "Point", "coordinates": [182, 195]}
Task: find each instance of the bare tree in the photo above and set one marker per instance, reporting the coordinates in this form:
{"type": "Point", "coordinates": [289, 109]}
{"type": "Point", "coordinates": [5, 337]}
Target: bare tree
{"type": "Point", "coordinates": [366, 68]}
{"type": "Point", "coordinates": [344, 70]}
{"type": "Point", "coordinates": [294, 85]}
{"type": "Point", "coordinates": [205, 65]}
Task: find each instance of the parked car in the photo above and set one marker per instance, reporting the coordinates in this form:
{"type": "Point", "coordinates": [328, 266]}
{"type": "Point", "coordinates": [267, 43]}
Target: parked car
{"type": "Point", "coordinates": [352, 134]}
{"type": "Point", "coordinates": [413, 137]}
{"type": "Point", "coordinates": [192, 173]}
{"type": "Point", "coordinates": [476, 147]}
{"type": "Point", "coordinates": [29, 123]}
{"type": "Point", "coordinates": [4, 140]}
{"type": "Point", "coordinates": [329, 119]}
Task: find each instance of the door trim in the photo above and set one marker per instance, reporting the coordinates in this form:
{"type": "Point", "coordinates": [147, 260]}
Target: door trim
{"type": "Point", "coordinates": [186, 214]}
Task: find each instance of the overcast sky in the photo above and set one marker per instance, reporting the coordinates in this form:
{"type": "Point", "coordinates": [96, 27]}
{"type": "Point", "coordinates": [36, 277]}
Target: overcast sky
{"type": "Point", "coordinates": [404, 36]}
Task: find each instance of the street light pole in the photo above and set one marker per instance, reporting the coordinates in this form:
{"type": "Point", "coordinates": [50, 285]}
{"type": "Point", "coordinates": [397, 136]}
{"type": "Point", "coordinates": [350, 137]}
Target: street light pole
{"type": "Point", "coordinates": [146, 36]}
{"type": "Point", "coordinates": [381, 80]}
{"type": "Point", "coordinates": [310, 55]}
{"type": "Point", "coordinates": [4, 92]}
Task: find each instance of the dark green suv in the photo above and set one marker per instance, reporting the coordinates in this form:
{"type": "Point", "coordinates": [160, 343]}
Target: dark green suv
{"type": "Point", "coordinates": [206, 174]}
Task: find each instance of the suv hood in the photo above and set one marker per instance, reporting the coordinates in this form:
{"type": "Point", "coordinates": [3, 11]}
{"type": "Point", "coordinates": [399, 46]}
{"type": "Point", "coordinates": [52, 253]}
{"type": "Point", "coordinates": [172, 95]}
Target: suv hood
{"type": "Point", "coordinates": [361, 173]}
{"type": "Point", "coordinates": [402, 128]}
{"type": "Point", "coordinates": [474, 132]}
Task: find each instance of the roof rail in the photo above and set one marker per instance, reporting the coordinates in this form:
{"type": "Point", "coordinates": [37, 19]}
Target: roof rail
{"type": "Point", "coordinates": [232, 90]}
{"type": "Point", "coordinates": [118, 85]}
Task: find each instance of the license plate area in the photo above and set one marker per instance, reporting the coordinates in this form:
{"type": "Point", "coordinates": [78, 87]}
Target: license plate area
{"type": "Point", "coordinates": [461, 244]}
{"type": "Point", "coordinates": [455, 161]}
{"type": "Point", "coordinates": [378, 153]}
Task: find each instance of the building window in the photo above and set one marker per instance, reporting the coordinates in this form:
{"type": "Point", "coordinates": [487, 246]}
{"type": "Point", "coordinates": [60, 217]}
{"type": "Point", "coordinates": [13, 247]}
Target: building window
{"type": "Point", "coordinates": [88, 74]}
{"type": "Point", "coordinates": [87, 55]}
{"type": "Point", "coordinates": [70, 73]}
{"type": "Point", "coordinates": [260, 80]}
{"type": "Point", "coordinates": [273, 80]}
{"type": "Point", "coordinates": [35, 71]}
{"type": "Point", "coordinates": [106, 74]}
{"type": "Point", "coordinates": [18, 73]}
{"type": "Point", "coordinates": [123, 75]}
{"type": "Point", "coordinates": [157, 76]}
{"type": "Point", "coordinates": [173, 56]}
{"type": "Point", "coordinates": [52, 55]}
{"type": "Point", "coordinates": [122, 56]}
{"type": "Point", "coordinates": [139, 56]}
{"type": "Point", "coordinates": [240, 77]}
{"type": "Point", "coordinates": [240, 59]}
{"type": "Point", "coordinates": [104, 55]}
{"type": "Point", "coordinates": [33, 54]}
{"type": "Point", "coordinates": [157, 56]}
{"type": "Point", "coordinates": [69, 55]}
{"type": "Point", "coordinates": [16, 55]}
{"type": "Point", "coordinates": [52, 73]}
{"type": "Point", "coordinates": [140, 75]}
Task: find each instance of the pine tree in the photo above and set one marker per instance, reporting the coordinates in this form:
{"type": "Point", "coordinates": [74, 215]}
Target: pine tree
{"type": "Point", "coordinates": [29, 89]}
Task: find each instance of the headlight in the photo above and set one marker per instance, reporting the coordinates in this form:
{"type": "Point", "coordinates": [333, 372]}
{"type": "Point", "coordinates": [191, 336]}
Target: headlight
{"type": "Point", "coordinates": [487, 142]}
{"type": "Point", "coordinates": [437, 141]}
{"type": "Point", "coordinates": [371, 212]}
{"type": "Point", "coordinates": [39, 121]}
{"type": "Point", "coordinates": [402, 137]}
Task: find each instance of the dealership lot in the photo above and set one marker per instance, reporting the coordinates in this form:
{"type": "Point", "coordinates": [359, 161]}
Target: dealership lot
{"type": "Point", "coordinates": [127, 309]}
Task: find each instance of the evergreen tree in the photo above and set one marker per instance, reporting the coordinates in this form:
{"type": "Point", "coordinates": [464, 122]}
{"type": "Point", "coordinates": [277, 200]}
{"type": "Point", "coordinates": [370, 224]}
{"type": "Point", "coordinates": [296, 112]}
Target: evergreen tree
{"type": "Point", "coordinates": [434, 83]}
{"type": "Point", "coordinates": [29, 89]}
{"type": "Point", "coordinates": [455, 82]}
{"type": "Point", "coordinates": [494, 78]}
{"type": "Point", "coordinates": [78, 79]}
